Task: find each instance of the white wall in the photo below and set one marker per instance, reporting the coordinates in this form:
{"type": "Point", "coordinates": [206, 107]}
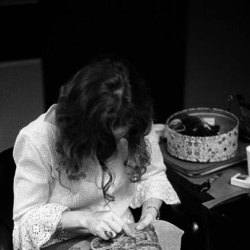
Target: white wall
{"type": "Point", "coordinates": [21, 97]}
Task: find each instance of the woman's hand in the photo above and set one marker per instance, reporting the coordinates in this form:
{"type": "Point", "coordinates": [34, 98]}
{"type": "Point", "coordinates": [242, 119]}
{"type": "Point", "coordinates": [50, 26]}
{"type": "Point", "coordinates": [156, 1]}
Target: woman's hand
{"type": "Point", "coordinates": [106, 224]}
{"type": "Point", "coordinates": [150, 210]}
{"type": "Point", "coordinates": [147, 217]}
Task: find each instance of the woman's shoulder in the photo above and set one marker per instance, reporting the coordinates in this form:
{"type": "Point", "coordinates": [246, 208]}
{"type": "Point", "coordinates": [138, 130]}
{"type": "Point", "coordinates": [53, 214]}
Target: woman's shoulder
{"type": "Point", "coordinates": [39, 129]}
{"type": "Point", "coordinates": [37, 140]}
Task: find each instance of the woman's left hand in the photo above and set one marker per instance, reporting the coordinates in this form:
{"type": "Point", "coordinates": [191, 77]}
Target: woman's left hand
{"type": "Point", "coordinates": [145, 220]}
{"type": "Point", "coordinates": [149, 212]}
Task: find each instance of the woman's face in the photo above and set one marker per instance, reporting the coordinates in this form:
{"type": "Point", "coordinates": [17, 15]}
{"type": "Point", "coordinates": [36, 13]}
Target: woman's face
{"type": "Point", "coordinates": [120, 132]}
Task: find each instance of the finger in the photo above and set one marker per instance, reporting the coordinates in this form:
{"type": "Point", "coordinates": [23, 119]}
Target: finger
{"type": "Point", "coordinates": [122, 224]}
{"type": "Point", "coordinates": [100, 229]}
{"type": "Point", "coordinates": [103, 235]}
{"type": "Point", "coordinates": [110, 234]}
{"type": "Point", "coordinates": [114, 226]}
{"type": "Point", "coordinates": [145, 221]}
{"type": "Point", "coordinates": [113, 221]}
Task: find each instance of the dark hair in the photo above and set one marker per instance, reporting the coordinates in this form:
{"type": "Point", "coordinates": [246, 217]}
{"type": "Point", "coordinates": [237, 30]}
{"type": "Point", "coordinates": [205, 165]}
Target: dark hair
{"type": "Point", "coordinates": [106, 94]}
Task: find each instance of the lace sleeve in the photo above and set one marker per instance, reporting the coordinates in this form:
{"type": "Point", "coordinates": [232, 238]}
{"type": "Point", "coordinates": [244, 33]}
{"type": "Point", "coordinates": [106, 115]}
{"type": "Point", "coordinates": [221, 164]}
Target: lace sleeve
{"type": "Point", "coordinates": [157, 187]}
{"type": "Point", "coordinates": [35, 221]}
{"type": "Point", "coordinates": [154, 183]}
{"type": "Point", "coordinates": [37, 227]}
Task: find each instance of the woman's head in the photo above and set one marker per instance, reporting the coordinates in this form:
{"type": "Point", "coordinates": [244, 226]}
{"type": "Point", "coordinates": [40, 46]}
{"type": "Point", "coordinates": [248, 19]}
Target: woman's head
{"type": "Point", "coordinates": [103, 97]}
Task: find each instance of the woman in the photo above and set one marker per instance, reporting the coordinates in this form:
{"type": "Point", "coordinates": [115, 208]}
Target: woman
{"type": "Point", "coordinates": [92, 156]}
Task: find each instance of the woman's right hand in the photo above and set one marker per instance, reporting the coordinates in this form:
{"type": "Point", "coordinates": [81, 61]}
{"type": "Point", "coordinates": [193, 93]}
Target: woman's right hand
{"type": "Point", "coordinates": [106, 224]}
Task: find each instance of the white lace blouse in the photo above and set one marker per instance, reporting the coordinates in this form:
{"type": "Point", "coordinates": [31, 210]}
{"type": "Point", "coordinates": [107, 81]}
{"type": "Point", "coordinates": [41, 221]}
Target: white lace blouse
{"type": "Point", "coordinates": [40, 199]}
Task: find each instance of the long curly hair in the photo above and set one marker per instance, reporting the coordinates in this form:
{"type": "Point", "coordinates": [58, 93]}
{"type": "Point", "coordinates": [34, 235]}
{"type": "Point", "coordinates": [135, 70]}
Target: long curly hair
{"type": "Point", "coordinates": [106, 94]}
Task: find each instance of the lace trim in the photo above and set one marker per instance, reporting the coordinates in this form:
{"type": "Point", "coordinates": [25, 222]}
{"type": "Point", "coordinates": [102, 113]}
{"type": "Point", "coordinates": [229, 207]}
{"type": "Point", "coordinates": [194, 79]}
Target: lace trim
{"type": "Point", "coordinates": [158, 188]}
{"type": "Point", "coordinates": [37, 227]}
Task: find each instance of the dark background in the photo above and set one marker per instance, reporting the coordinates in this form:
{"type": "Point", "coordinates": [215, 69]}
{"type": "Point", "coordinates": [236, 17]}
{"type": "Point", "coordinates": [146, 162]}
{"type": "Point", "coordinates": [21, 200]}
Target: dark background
{"type": "Point", "coordinates": [66, 35]}
{"type": "Point", "coordinates": [192, 53]}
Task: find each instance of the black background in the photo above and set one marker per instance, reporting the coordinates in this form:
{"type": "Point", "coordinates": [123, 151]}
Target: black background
{"type": "Point", "coordinates": [150, 34]}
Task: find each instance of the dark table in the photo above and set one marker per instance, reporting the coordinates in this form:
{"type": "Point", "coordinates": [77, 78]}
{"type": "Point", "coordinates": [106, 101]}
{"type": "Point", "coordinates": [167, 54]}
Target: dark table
{"type": "Point", "coordinates": [198, 204]}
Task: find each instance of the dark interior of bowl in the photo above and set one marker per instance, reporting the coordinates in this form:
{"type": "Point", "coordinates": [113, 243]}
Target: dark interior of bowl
{"type": "Point", "coordinates": [225, 120]}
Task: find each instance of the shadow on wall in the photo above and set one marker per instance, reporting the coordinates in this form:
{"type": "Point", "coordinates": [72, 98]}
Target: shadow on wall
{"type": "Point", "coordinates": [21, 97]}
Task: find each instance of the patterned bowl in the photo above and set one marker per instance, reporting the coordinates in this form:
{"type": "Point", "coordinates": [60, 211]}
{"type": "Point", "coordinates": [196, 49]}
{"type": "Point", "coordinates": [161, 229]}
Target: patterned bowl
{"type": "Point", "coordinates": [215, 148]}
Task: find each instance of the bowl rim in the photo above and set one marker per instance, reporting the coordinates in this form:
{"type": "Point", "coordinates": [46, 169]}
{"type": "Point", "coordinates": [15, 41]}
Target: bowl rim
{"type": "Point", "coordinates": [202, 109]}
